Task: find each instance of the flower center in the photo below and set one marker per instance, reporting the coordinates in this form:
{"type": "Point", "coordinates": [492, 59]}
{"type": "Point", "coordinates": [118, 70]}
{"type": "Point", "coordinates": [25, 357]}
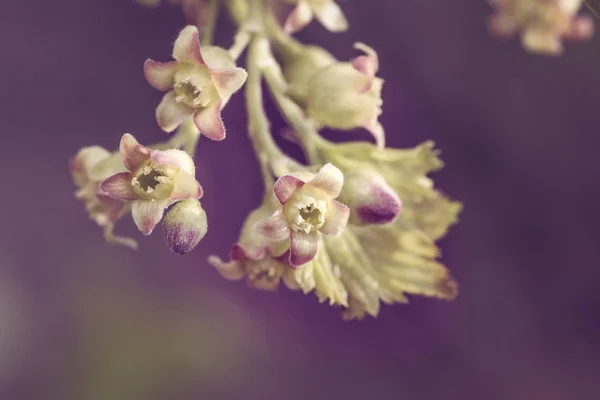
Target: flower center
{"type": "Point", "coordinates": [193, 86]}
{"type": "Point", "coordinates": [152, 182]}
{"type": "Point", "coordinates": [309, 215]}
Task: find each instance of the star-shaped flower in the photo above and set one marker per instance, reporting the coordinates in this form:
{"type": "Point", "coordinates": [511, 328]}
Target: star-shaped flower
{"type": "Point", "coordinates": [199, 84]}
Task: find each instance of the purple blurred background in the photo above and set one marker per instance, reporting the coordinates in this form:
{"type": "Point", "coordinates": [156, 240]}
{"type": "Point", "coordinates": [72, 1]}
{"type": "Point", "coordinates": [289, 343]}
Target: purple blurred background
{"type": "Point", "coordinates": [82, 320]}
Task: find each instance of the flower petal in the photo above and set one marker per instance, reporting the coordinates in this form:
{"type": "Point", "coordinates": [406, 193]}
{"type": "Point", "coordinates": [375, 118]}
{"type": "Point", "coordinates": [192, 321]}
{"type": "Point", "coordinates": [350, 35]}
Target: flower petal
{"type": "Point", "coordinates": [132, 152]}
{"type": "Point", "coordinates": [336, 219]}
{"type": "Point", "coordinates": [147, 213]}
{"type": "Point", "coordinates": [329, 179]}
{"type": "Point", "coordinates": [285, 187]}
{"type": "Point", "coordinates": [114, 207]}
{"type": "Point", "coordinates": [176, 158]}
{"type": "Point", "coordinates": [376, 129]}
{"type": "Point", "coordinates": [186, 187]}
{"type": "Point", "coordinates": [119, 187]}
{"type": "Point", "coordinates": [299, 17]}
{"type": "Point", "coordinates": [239, 252]}
{"type": "Point", "coordinates": [160, 75]}
{"type": "Point", "coordinates": [233, 270]}
{"type": "Point", "coordinates": [274, 227]}
{"type": "Point", "coordinates": [228, 80]}
{"type": "Point", "coordinates": [170, 114]}
{"type": "Point", "coordinates": [209, 122]}
{"type": "Point", "coordinates": [330, 15]}
{"type": "Point", "coordinates": [367, 64]}
{"type": "Point", "coordinates": [187, 46]}
{"type": "Point", "coordinates": [303, 247]}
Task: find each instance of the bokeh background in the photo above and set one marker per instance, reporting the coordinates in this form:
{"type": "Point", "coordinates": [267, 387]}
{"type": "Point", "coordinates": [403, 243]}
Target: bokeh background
{"type": "Point", "coordinates": [82, 320]}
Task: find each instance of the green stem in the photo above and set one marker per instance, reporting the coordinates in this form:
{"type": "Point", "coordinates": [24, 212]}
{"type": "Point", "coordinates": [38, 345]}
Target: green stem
{"type": "Point", "coordinates": [212, 11]}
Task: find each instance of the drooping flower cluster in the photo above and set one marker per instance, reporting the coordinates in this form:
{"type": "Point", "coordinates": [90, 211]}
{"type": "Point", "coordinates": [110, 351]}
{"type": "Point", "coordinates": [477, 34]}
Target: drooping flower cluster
{"type": "Point", "coordinates": [356, 225]}
{"type": "Point", "coordinates": [542, 24]}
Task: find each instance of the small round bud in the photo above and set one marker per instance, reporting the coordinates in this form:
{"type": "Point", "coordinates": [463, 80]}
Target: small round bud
{"type": "Point", "coordinates": [185, 225]}
{"type": "Point", "coordinates": [370, 198]}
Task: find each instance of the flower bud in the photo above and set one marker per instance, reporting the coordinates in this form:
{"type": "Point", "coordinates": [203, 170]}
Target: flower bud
{"type": "Point", "coordinates": [347, 95]}
{"type": "Point", "coordinates": [301, 65]}
{"type": "Point", "coordinates": [185, 225]}
{"type": "Point", "coordinates": [370, 198]}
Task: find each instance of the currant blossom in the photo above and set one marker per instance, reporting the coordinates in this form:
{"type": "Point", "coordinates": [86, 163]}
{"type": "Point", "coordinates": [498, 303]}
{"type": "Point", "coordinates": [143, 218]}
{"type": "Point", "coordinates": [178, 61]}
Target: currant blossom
{"type": "Point", "coordinates": [405, 172]}
{"type": "Point", "coordinates": [542, 23]}
{"type": "Point", "coordinates": [327, 12]}
{"type": "Point", "coordinates": [199, 84]}
{"type": "Point", "coordinates": [307, 208]}
{"type": "Point", "coordinates": [372, 263]}
{"type": "Point", "coordinates": [185, 225]}
{"type": "Point", "coordinates": [347, 95]}
{"type": "Point", "coordinates": [261, 261]}
{"type": "Point", "coordinates": [155, 180]}
{"type": "Point", "coordinates": [90, 166]}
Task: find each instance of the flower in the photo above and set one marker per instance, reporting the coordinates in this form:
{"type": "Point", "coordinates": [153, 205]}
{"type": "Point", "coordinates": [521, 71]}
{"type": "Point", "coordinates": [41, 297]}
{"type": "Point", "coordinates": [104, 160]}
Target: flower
{"type": "Point", "coordinates": [300, 64]}
{"type": "Point", "coordinates": [155, 180]}
{"type": "Point", "coordinates": [348, 95]}
{"type": "Point", "coordinates": [306, 209]}
{"type": "Point", "coordinates": [90, 166]}
{"type": "Point", "coordinates": [263, 262]}
{"type": "Point", "coordinates": [543, 23]}
{"type": "Point", "coordinates": [370, 199]}
{"type": "Point", "coordinates": [185, 225]}
{"type": "Point", "coordinates": [327, 12]}
{"type": "Point", "coordinates": [199, 84]}
{"type": "Point", "coordinates": [372, 263]}
{"type": "Point", "coordinates": [405, 172]}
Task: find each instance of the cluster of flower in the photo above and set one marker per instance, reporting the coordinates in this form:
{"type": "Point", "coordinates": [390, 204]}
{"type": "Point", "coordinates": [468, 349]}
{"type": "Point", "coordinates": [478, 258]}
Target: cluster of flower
{"type": "Point", "coordinates": [542, 23]}
{"type": "Point", "coordinates": [357, 225]}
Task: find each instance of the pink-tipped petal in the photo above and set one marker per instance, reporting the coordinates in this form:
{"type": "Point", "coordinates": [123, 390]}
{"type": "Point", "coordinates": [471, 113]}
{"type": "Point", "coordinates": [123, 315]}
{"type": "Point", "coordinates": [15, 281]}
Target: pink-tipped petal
{"type": "Point", "coordinates": [233, 270]}
{"type": "Point", "coordinates": [176, 158]}
{"type": "Point", "coordinates": [329, 179]}
{"type": "Point", "coordinates": [170, 114]}
{"type": "Point", "coordinates": [187, 46]}
{"type": "Point", "coordinates": [299, 17]}
{"type": "Point", "coordinates": [148, 213]}
{"type": "Point", "coordinates": [368, 64]}
{"type": "Point", "coordinates": [186, 187]}
{"type": "Point", "coordinates": [274, 228]}
{"type": "Point", "coordinates": [285, 187]}
{"type": "Point", "coordinates": [303, 247]}
{"type": "Point", "coordinates": [114, 207]}
{"type": "Point", "coordinates": [133, 153]}
{"type": "Point", "coordinates": [582, 28]}
{"type": "Point", "coordinates": [209, 122]}
{"type": "Point", "coordinates": [228, 80]}
{"type": "Point", "coordinates": [502, 25]}
{"type": "Point", "coordinates": [119, 187]}
{"type": "Point", "coordinates": [336, 219]}
{"type": "Point", "coordinates": [239, 252]}
{"type": "Point", "coordinates": [160, 75]}
{"type": "Point", "coordinates": [330, 15]}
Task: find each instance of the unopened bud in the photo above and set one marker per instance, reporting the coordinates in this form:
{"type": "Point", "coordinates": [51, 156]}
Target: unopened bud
{"type": "Point", "coordinates": [370, 198]}
{"type": "Point", "coordinates": [301, 65]}
{"type": "Point", "coordinates": [185, 225]}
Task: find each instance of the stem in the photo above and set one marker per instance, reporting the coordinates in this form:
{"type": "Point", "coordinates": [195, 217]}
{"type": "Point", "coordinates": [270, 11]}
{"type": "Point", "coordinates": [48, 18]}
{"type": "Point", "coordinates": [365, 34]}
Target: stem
{"type": "Point", "coordinates": [271, 158]}
{"type": "Point", "coordinates": [186, 137]}
{"type": "Point", "coordinates": [212, 11]}
{"type": "Point", "coordinates": [292, 113]}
